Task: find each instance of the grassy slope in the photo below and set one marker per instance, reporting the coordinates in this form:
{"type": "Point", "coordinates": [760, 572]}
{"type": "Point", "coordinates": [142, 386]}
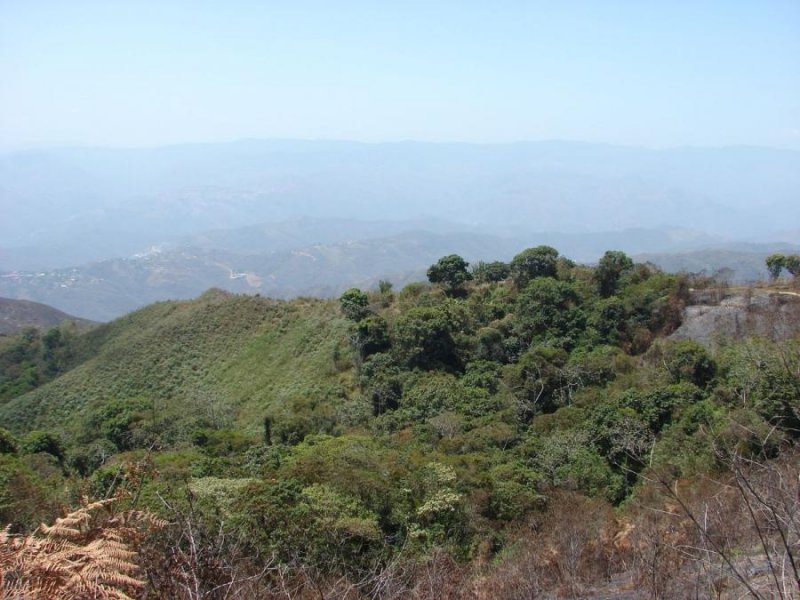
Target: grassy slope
{"type": "Point", "coordinates": [188, 357]}
{"type": "Point", "coordinates": [16, 315]}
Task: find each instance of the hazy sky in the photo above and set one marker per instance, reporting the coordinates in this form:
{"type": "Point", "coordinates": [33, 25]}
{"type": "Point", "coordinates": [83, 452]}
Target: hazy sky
{"type": "Point", "coordinates": [673, 72]}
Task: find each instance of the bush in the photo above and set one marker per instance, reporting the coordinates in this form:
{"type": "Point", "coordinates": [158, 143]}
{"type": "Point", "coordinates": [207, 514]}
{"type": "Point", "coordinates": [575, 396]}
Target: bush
{"type": "Point", "coordinates": [515, 492]}
{"type": "Point", "coordinates": [686, 360]}
{"type": "Point", "coordinates": [45, 442]}
{"type": "Point", "coordinates": [354, 304]}
{"type": "Point", "coordinates": [8, 443]}
{"type": "Point", "coordinates": [25, 499]}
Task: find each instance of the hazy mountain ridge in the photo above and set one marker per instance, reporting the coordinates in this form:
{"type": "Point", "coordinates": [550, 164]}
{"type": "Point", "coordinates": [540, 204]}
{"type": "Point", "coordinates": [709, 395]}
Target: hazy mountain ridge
{"type": "Point", "coordinates": [742, 261]}
{"type": "Point", "coordinates": [152, 195]}
{"type": "Point", "coordinates": [107, 289]}
{"type": "Point", "coordinates": [286, 218]}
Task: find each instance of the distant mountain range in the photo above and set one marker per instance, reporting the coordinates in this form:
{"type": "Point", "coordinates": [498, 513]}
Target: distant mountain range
{"type": "Point", "coordinates": [737, 262]}
{"type": "Point", "coordinates": [108, 289]}
{"type": "Point", "coordinates": [70, 206]}
{"type": "Point", "coordinates": [283, 264]}
{"type": "Point", "coordinates": [99, 232]}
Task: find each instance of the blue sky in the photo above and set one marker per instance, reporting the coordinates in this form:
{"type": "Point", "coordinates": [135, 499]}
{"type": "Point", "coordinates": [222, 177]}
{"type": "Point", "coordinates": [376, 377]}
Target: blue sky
{"type": "Point", "coordinates": [669, 73]}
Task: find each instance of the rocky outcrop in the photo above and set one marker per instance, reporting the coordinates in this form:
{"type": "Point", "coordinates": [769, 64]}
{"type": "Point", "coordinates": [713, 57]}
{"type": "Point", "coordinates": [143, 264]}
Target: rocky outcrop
{"type": "Point", "coordinates": [771, 314]}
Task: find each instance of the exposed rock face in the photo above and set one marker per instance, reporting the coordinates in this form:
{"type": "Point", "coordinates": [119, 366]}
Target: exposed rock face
{"type": "Point", "coordinates": [771, 314]}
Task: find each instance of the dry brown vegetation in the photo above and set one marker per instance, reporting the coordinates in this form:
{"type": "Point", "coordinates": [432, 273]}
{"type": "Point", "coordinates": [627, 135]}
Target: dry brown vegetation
{"type": "Point", "coordinates": [88, 553]}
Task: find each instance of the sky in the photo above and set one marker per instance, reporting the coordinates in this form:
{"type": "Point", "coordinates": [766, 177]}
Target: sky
{"type": "Point", "coordinates": [644, 72]}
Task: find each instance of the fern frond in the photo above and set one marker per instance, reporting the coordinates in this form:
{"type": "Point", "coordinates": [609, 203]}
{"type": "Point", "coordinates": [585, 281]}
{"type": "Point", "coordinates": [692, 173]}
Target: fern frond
{"type": "Point", "coordinates": [82, 555]}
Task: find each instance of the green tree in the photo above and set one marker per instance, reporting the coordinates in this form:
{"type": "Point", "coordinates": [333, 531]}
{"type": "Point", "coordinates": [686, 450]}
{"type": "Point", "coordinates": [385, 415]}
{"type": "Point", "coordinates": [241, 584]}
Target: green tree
{"type": "Point", "coordinates": [274, 516]}
{"type": "Point", "coordinates": [440, 515]}
{"type": "Point", "coordinates": [568, 459]}
{"type": "Point", "coordinates": [385, 291]}
{"type": "Point", "coordinates": [538, 381]}
{"type": "Point", "coordinates": [128, 423]}
{"type": "Point", "coordinates": [549, 310]}
{"type": "Point", "coordinates": [792, 264]}
{"type": "Point", "coordinates": [608, 319]}
{"type": "Point", "coordinates": [529, 264]}
{"type": "Point", "coordinates": [44, 442]}
{"type": "Point", "coordinates": [658, 407]}
{"type": "Point", "coordinates": [621, 435]}
{"type": "Point", "coordinates": [451, 271]}
{"type": "Point", "coordinates": [686, 360]}
{"type": "Point", "coordinates": [611, 267]}
{"type": "Point", "coordinates": [435, 392]}
{"type": "Point", "coordinates": [370, 335]}
{"type": "Point", "coordinates": [385, 287]}
{"type": "Point", "coordinates": [775, 264]}
{"type": "Point", "coordinates": [8, 443]}
{"type": "Point", "coordinates": [514, 491]}
{"type": "Point", "coordinates": [26, 497]}
{"type": "Point", "coordinates": [354, 304]}
{"type": "Point", "coordinates": [488, 272]}
{"type": "Point", "coordinates": [423, 338]}
{"type": "Point", "coordinates": [381, 383]}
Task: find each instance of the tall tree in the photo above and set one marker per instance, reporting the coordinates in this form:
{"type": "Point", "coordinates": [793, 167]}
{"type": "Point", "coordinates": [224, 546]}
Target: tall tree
{"type": "Point", "coordinates": [451, 271]}
{"type": "Point", "coordinates": [529, 264]}
{"type": "Point", "coordinates": [354, 304]}
{"type": "Point", "coordinates": [775, 264]}
{"type": "Point", "coordinates": [609, 270]}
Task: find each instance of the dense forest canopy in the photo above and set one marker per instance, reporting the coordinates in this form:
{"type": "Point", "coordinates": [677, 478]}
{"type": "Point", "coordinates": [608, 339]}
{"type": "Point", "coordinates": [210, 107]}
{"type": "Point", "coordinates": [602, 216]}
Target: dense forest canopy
{"type": "Point", "coordinates": [503, 430]}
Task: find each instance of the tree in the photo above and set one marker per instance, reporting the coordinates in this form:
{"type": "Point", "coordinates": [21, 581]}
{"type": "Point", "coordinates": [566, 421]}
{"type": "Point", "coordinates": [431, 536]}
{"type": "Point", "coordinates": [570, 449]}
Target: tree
{"type": "Point", "coordinates": [423, 338]}
{"type": "Point", "coordinates": [385, 291]}
{"type": "Point", "coordinates": [8, 443]}
{"type": "Point", "coordinates": [491, 271]}
{"type": "Point", "coordinates": [43, 442]}
{"type": "Point", "coordinates": [381, 383]}
{"type": "Point", "coordinates": [549, 310]}
{"type": "Point", "coordinates": [540, 261]}
{"type": "Point", "coordinates": [609, 270]}
{"type": "Point", "coordinates": [792, 264]}
{"type": "Point", "coordinates": [775, 264]}
{"type": "Point", "coordinates": [608, 319]}
{"type": "Point", "coordinates": [371, 335]}
{"type": "Point", "coordinates": [686, 360]}
{"type": "Point", "coordinates": [537, 381]}
{"type": "Point", "coordinates": [124, 422]}
{"type": "Point", "coordinates": [354, 304]}
{"type": "Point", "coordinates": [451, 271]}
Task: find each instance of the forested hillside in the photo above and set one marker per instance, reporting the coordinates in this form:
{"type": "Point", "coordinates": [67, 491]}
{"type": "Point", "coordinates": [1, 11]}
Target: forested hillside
{"type": "Point", "coordinates": [505, 430]}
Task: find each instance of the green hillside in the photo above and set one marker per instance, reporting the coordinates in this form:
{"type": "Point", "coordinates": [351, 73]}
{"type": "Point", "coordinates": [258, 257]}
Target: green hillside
{"type": "Point", "coordinates": [225, 358]}
{"type": "Point", "coordinates": [516, 429]}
